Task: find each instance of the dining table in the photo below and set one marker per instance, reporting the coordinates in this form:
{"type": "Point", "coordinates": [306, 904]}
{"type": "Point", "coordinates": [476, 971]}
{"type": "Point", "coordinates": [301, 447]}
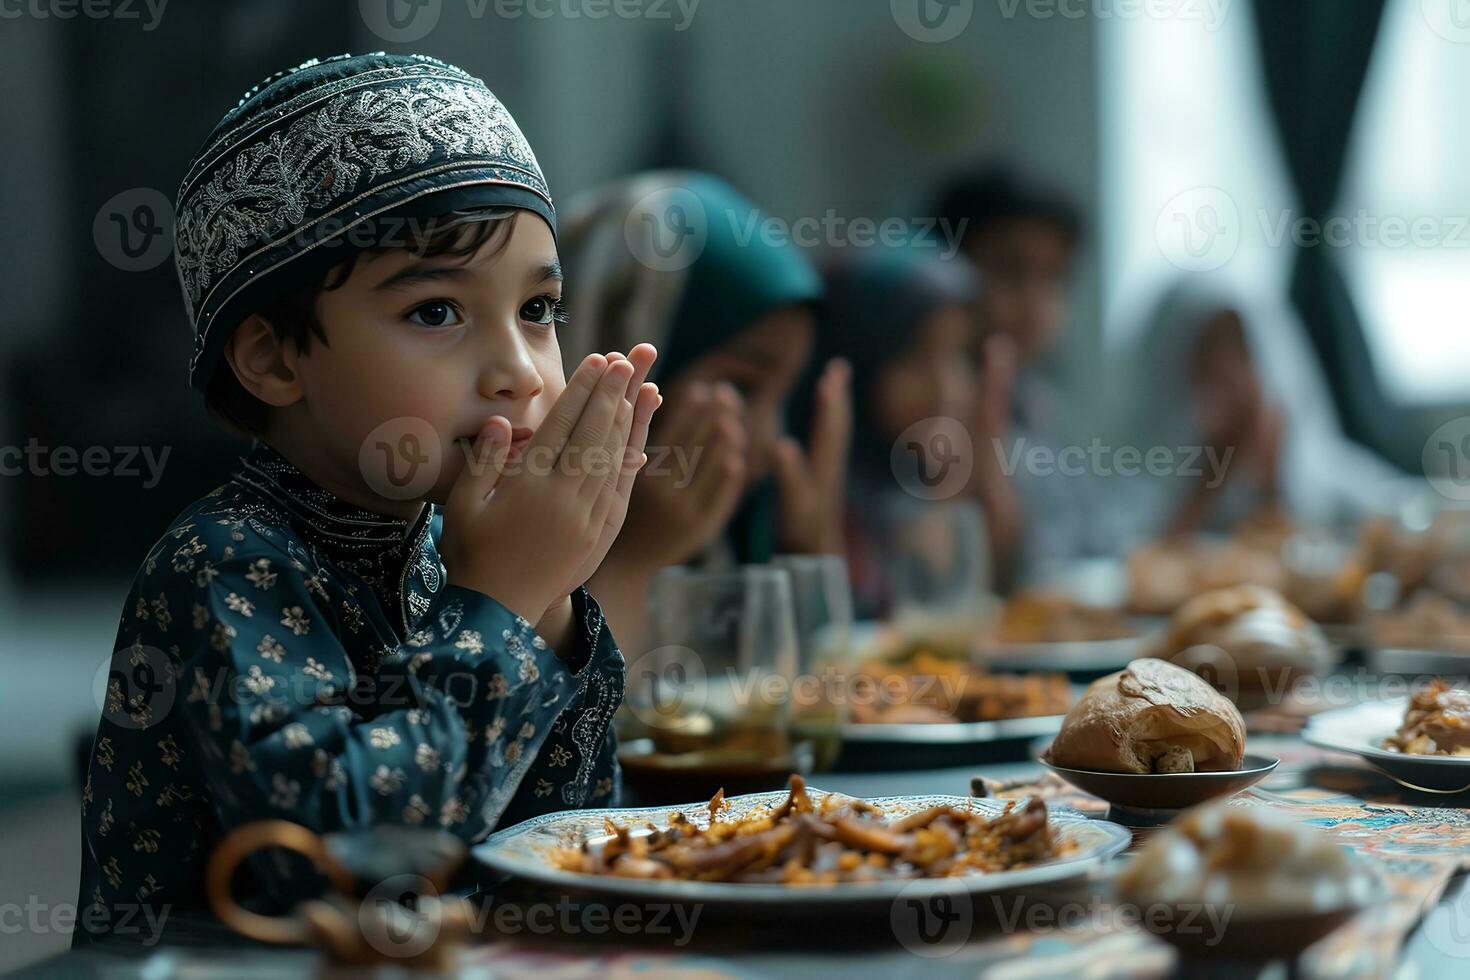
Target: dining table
{"type": "Point", "coordinates": [1419, 843]}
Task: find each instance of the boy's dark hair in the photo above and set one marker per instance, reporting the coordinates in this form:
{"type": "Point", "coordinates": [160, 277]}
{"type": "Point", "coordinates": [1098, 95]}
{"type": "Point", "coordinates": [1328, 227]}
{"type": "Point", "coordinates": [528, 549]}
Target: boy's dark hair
{"type": "Point", "coordinates": [292, 315]}
{"type": "Point", "coordinates": [1000, 193]}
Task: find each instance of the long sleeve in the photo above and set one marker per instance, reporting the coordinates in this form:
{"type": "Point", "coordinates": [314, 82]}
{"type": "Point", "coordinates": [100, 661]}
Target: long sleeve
{"type": "Point", "coordinates": [284, 654]}
{"type": "Point", "coordinates": [442, 731]}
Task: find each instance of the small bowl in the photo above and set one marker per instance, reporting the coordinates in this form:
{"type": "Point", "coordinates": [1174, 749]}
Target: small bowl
{"type": "Point", "coordinates": [1258, 934]}
{"type": "Point", "coordinates": [1280, 936]}
{"type": "Point", "coordinates": [1168, 791]}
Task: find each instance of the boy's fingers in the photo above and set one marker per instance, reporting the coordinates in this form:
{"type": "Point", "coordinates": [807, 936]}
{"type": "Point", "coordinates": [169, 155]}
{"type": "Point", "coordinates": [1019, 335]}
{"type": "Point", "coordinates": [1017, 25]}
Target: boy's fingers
{"type": "Point", "coordinates": [482, 469]}
{"type": "Point", "coordinates": [601, 407]}
{"type": "Point", "coordinates": [642, 358]}
{"type": "Point", "coordinates": [562, 419]}
{"type": "Point", "coordinates": [608, 467]}
{"type": "Point", "coordinates": [648, 401]}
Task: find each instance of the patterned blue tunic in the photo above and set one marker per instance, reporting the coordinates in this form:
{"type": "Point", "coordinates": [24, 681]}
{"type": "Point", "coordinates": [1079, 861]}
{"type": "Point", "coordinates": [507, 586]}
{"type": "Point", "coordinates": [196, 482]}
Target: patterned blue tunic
{"type": "Point", "coordinates": [285, 654]}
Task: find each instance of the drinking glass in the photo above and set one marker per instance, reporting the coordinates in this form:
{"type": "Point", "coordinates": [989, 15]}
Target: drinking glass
{"type": "Point", "coordinates": [822, 594]}
{"type": "Point", "coordinates": [718, 678]}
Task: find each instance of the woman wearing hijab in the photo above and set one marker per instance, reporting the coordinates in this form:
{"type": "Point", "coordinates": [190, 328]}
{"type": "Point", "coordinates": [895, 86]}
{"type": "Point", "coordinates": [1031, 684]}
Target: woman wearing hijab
{"type": "Point", "coordinates": [902, 318]}
{"type": "Point", "coordinates": [1234, 377]}
{"type": "Point", "coordinates": [680, 260]}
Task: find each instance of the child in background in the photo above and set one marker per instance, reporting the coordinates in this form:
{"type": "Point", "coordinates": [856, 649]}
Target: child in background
{"type": "Point", "coordinates": [1237, 377]}
{"type": "Point", "coordinates": [381, 617]}
{"type": "Point", "coordinates": [1022, 237]}
{"type": "Point", "coordinates": [902, 318]}
{"type": "Point", "coordinates": [678, 260]}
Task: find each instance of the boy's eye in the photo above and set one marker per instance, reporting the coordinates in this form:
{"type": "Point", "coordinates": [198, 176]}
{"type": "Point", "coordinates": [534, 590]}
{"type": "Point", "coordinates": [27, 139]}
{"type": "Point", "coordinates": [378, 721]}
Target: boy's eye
{"type": "Point", "coordinates": [436, 313]}
{"type": "Point", "coordinates": [543, 310]}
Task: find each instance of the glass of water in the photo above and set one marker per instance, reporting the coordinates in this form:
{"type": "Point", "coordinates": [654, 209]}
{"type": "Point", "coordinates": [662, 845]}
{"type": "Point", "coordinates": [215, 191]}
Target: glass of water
{"type": "Point", "coordinates": [718, 678]}
{"type": "Point", "coordinates": [822, 595]}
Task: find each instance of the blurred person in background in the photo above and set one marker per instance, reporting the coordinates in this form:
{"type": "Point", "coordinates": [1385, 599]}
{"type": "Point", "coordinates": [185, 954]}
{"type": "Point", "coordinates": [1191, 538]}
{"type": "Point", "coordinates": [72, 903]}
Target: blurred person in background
{"type": "Point", "coordinates": [1023, 238]}
{"type": "Point", "coordinates": [901, 317]}
{"type": "Point", "coordinates": [1234, 376]}
{"type": "Point", "coordinates": [671, 258]}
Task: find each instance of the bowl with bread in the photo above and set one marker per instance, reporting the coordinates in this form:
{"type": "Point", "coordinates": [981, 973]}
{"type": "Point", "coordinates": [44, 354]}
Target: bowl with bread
{"type": "Point", "coordinates": [1154, 737]}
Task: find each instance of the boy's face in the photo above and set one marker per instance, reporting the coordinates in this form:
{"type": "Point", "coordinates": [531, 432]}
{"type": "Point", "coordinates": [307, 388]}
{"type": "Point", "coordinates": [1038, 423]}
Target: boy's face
{"type": "Point", "coordinates": [422, 351]}
{"type": "Point", "coordinates": [1023, 264]}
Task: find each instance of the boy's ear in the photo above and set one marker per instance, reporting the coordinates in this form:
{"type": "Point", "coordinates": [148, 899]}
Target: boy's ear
{"type": "Point", "coordinates": [264, 365]}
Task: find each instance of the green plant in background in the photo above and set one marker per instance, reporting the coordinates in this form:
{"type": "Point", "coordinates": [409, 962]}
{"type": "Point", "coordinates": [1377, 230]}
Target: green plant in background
{"type": "Point", "coordinates": [934, 100]}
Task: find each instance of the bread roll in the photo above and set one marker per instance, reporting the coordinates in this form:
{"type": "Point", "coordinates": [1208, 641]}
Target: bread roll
{"type": "Point", "coordinates": [1151, 717]}
{"type": "Point", "coordinates": [1248, 641]}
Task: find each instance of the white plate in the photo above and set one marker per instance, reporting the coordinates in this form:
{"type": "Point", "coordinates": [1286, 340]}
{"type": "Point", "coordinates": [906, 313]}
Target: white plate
{"type": "Point", "coordinates": [1403, 660]}
{"type": "Point", "coordinates": [1361, 729]}
{"type": "Point", "coordinates": [524, 851]}
{"type": "Point", "coordinates": [953, 733]}
{"type": "Point", "coordinates": [1075, 656]}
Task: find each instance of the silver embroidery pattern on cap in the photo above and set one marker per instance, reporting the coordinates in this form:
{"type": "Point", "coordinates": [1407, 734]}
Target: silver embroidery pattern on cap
{"type": "Point", "coordinates": [270, 189]}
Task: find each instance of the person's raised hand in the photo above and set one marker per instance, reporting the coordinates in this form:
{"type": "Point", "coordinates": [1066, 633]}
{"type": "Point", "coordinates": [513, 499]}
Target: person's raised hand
{"type": "Point", "coordinates": [812, 484]}
{"type": "Point", "coordinates": [682, 504]}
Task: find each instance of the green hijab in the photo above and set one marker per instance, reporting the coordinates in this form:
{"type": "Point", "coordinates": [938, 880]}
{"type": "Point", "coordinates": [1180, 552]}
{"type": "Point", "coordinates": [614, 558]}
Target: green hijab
{"type": "Point", "coordinates": [679, 260]}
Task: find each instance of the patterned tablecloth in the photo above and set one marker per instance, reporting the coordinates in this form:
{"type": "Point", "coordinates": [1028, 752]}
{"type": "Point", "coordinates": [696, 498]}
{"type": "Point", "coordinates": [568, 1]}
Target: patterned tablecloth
{"type": "Point", "coordinates": [1080, 931]}
{"type": "Point", "coordinates": [1416, 842]}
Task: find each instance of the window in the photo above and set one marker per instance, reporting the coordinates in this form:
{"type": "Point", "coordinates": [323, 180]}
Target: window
{"type": "Point", "coordinates": [1408, 188]}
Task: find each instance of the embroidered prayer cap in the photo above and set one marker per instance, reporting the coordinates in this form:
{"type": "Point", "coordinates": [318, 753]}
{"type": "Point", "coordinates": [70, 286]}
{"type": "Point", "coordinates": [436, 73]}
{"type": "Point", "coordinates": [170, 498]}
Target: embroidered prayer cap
{"type": "Point", "coordinates": [328, 157]}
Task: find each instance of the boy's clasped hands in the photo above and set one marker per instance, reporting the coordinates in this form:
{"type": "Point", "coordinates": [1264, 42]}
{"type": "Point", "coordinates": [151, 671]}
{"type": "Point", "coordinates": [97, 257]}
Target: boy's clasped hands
{"type": "Point", "coordinates": [529, 531]}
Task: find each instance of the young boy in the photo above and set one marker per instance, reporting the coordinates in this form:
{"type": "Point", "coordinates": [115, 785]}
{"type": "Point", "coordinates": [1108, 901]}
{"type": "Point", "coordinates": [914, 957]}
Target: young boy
{"type": "Point", "coordinates": [354, 629]}
{"type": "Point", "coordinates": [1023, 237]}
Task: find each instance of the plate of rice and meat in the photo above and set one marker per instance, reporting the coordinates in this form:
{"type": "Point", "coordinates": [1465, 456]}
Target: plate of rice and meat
{"type": "Point", "coordinates": [1421, 742]}
{"type": "Point", "coordinates": [806, 849]}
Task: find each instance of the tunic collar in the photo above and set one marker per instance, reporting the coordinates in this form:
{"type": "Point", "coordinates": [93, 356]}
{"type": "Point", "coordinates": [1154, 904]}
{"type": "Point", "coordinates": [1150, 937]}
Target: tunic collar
{"type": "Point", "coordinates": [382, 550]}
